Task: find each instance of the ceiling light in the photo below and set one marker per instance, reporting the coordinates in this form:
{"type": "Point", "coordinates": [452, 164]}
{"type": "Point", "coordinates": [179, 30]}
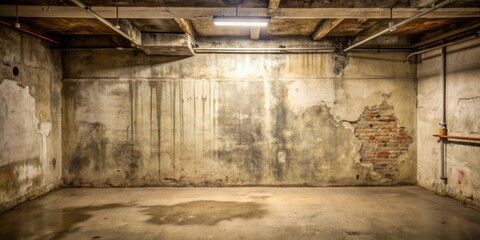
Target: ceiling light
{"type": "Point", "coordinates": [241, 21]}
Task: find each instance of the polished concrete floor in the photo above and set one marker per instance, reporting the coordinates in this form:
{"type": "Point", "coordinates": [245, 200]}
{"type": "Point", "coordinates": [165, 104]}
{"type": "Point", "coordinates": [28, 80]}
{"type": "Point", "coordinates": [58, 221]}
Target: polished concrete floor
{"type": "Point", "coordinates": [241, 213]}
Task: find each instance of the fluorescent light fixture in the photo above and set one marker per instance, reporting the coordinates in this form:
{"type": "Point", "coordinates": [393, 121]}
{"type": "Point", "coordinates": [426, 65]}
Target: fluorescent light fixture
{"type": "Point", "coordinates": [241, 21]}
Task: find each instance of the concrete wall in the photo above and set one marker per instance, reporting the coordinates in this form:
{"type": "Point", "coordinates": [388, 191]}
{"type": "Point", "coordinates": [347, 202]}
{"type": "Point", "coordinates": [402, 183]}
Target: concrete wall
{"type": "Point", "coordinates": [30, 121]}
{"type": "Point", "coordinates": [238, 119]}
{"type": "Point", "coordinates": [463, 119]}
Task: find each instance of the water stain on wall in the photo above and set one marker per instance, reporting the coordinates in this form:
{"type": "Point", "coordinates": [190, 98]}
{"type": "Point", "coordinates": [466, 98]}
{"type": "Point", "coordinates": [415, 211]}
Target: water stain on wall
{"type": "Point", "coordinates": [90, 148]}
{"type": "Point", "coordinates": [340, 58]}
{"type": "Point", "coordinates": [20, 177]}
{"type": "Point", "coordinates": [320, 149]}
{"type": "Point", "coordinates": [127, 158]}
{"type": "Point", "coordinates": [208, 133]}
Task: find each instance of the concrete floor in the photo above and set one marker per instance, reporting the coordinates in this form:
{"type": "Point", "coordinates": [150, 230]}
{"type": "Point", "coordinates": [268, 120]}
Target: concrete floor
{"type": "Point", "coordinates": [241, 213]}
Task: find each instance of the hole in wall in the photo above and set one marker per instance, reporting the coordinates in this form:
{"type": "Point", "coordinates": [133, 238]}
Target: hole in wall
{"type": "Point", "coordinates": [358, 176]}
{"type": "Point", "coordinates": [15, 71]}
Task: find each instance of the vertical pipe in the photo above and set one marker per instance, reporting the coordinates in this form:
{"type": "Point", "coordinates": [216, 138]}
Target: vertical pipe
{"type": "Point", "coordinates": [443, 124]}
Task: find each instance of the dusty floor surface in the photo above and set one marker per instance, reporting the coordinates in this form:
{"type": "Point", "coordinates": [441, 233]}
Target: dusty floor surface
{"type": "Point", "coordinates": [241, 213]}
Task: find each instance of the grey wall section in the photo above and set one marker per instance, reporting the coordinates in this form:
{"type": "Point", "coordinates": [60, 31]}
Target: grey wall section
{"type": "Point", "coordinates": [463, 119]}
{"type": "Point", "coordinates": [30, 121]}
{"type": "Point", "coordinates": [237, 119]}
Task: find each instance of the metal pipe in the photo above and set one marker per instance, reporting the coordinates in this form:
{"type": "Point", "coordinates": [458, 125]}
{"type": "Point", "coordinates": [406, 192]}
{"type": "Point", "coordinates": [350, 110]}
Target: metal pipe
{"type": "Point", "coordinates": [433, 8]}
{"type": "Point", "coordinates": [457, 137]}
{"type": "Point", "coordinates": [21, 29]}
{"type": "Point", "coordinates": [103, 20]}
{"type": "Point", "coordinates": [96, 48]}
{"type": "Point", "coordinates": [443, 124]}
{"type": "Point", "coordinates": [291, 50]}
{"type": "Point", "coordinates": [263, 50]}
{"type": "Point", "coordinates": [440, 46]}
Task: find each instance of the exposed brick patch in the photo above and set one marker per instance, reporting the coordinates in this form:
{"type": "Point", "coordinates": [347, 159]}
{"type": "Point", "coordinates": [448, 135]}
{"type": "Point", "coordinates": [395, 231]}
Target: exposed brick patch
{"type": "Point", "coordinates": [383, 141]}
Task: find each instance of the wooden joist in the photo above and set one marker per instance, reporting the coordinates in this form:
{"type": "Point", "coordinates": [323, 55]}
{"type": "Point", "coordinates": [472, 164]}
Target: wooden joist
{"type": "Point", "coordinates": [186, 26]}
{"type": "Point", "coordinates": [325, 27]}
{"type": "Point", "coordinates": [200, 12]}
{"type": "Point", "coordinates": [446, 35]}
{"type": "Point", "coordinates": [273, 7]}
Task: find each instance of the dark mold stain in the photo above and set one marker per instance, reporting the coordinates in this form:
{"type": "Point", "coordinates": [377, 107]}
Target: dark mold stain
{"type": "Point", "coordinates": [300, 148]}
{"type": "Point", "coordinates": [238, 127]}
{"type": "Point", "coordinates": [128, 158]}
{"type": "Point", "coordinates": [281, 115]}
{"type": "Point", "coordinates": [339, 57]}
{"type": "Point", "coordinates": [203, 212]}
{"type": "Point", "coordinates": [54, 163]}
{"type": "Point", "coordinates": [90, 148]}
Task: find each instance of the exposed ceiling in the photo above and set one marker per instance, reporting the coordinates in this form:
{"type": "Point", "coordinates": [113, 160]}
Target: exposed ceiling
{"type": "Point", "coordinates": [317, 19]}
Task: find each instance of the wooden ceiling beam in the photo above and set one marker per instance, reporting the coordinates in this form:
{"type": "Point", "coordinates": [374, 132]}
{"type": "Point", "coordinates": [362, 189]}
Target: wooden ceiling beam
{"type": "Point", "coordinates": [373, 13]}
{"type": "Point", "coordinates": [273, 7]}
{"type": "Point", "coordinates": [202, 12]}
{"type": "Point", "coordinates": [325, 27]}
{"type": "Point", "coordinates": [186, 26]}
{"type": "Point", "coordinates": [446, 35]}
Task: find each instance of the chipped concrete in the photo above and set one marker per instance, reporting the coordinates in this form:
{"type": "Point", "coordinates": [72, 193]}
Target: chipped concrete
{"type": "Point", "coordinates": [463, 114]}
{"type": "Point", "coordinates": [227, 119]}
{"type": "Point", "coordinates": [29, 119]}
{"type": "Point", "coordinates": [383, 140]}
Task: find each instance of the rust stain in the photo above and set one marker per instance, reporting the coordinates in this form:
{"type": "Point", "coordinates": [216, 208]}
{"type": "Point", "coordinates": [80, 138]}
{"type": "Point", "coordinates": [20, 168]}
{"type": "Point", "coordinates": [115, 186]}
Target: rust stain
{"type": "Point", "coordinates": [461, 174]}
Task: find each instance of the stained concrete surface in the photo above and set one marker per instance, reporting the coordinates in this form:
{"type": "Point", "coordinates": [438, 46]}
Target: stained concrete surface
{"type": "Point", "coordinates": [241, 213]}
{"type": "Point", "coordinates": [235, 119]}
{"type": "Point", "coordinates": [30, 101]}
{"type": "Point", "coordinates": [463, 119]}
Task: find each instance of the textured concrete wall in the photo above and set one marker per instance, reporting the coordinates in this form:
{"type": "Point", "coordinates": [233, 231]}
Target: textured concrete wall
{"type": "Point", "coordinates": [236, 119]}
{"type": "Point", "coordinates": [30, 142]}
{"type": "Point", "coordinates": [463, 119]}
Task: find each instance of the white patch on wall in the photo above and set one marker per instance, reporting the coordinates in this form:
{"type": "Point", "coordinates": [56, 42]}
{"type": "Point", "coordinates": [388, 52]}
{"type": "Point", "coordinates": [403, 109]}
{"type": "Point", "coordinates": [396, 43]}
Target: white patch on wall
{"type": "Point", "coordinates": [44, 130]}
{"type": "Point", "coordinates": [26, 173]}
{"type": "Point", "coordinates": [308, 93]}
{"type": "Point", "coordinates": [18, 124]}
{"type": "Point", "coordinates": [464, 117]}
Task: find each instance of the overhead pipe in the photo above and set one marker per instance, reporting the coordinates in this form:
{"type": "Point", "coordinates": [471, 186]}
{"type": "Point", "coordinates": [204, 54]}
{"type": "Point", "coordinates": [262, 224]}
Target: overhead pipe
{"type": "Point", "coordinates": [389, 29]}
{"type": "Point", "coordinates": [441, 46]}
{"type": "Point", "coordinates": [21, 29]}
{"type": "Point", "coordinates": [103, 20]}
{"type": "Point", "coordinates": [263, 50]}
{"type": "Point", "coordinates": [290, 50]}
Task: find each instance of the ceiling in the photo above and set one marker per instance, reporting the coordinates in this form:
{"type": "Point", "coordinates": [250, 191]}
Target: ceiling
{"type": "Point", "coordinates": [290, 18]}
